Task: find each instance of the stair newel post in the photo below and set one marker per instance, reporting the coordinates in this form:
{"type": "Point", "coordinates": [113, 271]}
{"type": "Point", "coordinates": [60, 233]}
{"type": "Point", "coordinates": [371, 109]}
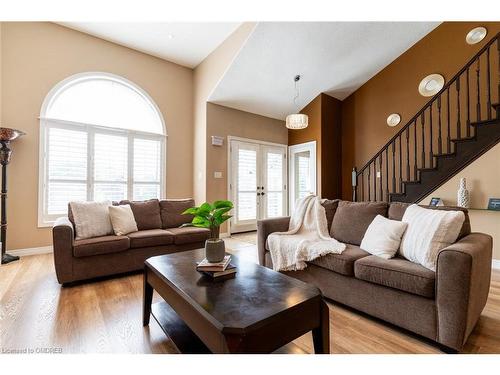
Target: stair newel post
{"type": "Point", "coordinates": [415, 166]}
{"type": "Point", "coordinates": [468, 102]}
{"type": "Point", "coordinates": [440, 141]}
{"type": "Point", "coordinates": [478, 104]}
{"type": "Point", "coordinates": [422, 121]}
{"type": "Point", "coordinates": [369, 182]}
{"type": "Point", "coordinates": [459, 125]}
{"type": "Point", "coordinates": [394, 166]}
{"type": "Point", "coordinates": [431, 137]}
{"type": "Point", "coordinates": [488, 88]}
{"type": "Point", "coordinates": [380, 182]}
{"type": "Point", "coordinates": [400, 165]}
{"type": "Point", "coordinates": [408, 178]}
{"type": "Point", "coordinates": [354, 179]}
{"type": "Point", "coordinates": [387, 173]}
{"type": "Point", "coordinates": [448, 138]}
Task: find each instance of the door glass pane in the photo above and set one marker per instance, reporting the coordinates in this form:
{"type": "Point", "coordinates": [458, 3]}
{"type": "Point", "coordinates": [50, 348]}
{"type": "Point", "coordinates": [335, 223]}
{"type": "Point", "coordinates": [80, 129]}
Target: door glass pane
{"type": "Point", "coordinates": [247, 184]}
{"type": "Point", "coordinates": [274, 192]}
{"type": "Point", "coordinates": [302, 174]}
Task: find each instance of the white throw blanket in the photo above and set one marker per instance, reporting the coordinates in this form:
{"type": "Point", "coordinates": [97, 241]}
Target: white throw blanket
{"type": "Point", "coordinates": [307, 237]}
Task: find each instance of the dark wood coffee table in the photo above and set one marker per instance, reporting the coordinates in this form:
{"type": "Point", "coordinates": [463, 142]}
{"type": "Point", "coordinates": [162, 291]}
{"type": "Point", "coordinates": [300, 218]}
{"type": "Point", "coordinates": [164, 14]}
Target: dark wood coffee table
{"type": "Point", "coordinates": [258, 311]}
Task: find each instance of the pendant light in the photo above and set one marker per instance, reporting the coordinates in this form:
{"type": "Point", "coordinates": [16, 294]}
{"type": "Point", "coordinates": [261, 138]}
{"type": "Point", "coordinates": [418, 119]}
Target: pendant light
{"type": "Point", "coordinates": [297, 120]}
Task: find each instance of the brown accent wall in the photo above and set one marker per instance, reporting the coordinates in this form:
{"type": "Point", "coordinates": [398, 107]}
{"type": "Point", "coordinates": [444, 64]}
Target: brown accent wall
{"type": "Point", "coordinates": [325, 128]}
{"type": "Point", "coordinates": [38, 55]}
{"type": "Point", "coordinates": [395, 90]}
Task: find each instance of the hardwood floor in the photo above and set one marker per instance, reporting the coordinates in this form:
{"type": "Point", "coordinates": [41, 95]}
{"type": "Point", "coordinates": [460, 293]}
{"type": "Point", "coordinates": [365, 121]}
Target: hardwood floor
{"type": "Point", "coordinates": [105, 316]}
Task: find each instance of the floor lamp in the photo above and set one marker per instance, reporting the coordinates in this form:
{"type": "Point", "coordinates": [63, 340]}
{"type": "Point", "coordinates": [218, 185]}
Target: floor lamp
{"type": "Point", "coordinates": [6, 136]}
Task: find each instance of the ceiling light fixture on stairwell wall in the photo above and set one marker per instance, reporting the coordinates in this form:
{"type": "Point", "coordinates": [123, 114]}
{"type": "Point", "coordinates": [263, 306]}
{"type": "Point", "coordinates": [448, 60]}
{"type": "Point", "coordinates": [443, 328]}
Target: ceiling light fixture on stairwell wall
{"type": "Point", "coordinates": [476, 35]}
{"type": "Point", "coordinates": [297, 120]}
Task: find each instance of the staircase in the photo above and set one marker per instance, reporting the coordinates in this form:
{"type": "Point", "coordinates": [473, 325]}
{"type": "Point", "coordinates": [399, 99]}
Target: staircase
{"type": "Point", "coordinates": [458, 125]}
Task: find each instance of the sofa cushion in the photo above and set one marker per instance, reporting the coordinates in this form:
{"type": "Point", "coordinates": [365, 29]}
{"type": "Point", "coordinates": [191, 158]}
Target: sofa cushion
{"type": "Point", "coordinates": [189, 235]}
{"type": "Point", "coordinates": [352, 219]}
{"type": "Point", "coordinates": [341, 263]}
{"type": "Point", "coordinates": [150, 237]}
{"type": "Point", "coordinates": [100, 245]}
{"type": "Point", "coordinates": [397, 210]}
{"type": "Point", "coordinates": [171, 212]}
{"type": "Point", "coordinates": [330, 206]}
{"type": "Point", "coordinates": [397, 273]}
{"type": "Point", "coordinates": [146, 213]}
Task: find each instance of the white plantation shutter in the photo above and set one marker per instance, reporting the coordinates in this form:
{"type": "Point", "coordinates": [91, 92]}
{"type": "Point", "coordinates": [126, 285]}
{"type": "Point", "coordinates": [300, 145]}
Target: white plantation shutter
{"type": "Point", "coordinates": [247, 184]}
{"type": "Point", "coordinates": [116, 156]}
{"type": "Point", "coordinates": [274, 184]}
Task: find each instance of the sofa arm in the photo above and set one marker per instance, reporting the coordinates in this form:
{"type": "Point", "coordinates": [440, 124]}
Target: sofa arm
{"type": "Point", "coordinates": [265, 228]}
{"type": "Point", "coordinates": [62, 241]}
{"type": "Point", "coordinates": [463, 275]}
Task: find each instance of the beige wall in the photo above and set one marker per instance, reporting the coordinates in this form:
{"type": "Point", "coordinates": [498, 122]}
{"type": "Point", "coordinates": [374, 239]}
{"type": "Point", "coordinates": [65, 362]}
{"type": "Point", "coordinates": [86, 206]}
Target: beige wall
{"type": "Point", "coordinates": [36, 56]}
{"type": "Point", "coordinates": [483, 182]}
{"type": "Point", "coordinates": [206, 77]}
{"type": "Point", "coordinates": [224, 122]}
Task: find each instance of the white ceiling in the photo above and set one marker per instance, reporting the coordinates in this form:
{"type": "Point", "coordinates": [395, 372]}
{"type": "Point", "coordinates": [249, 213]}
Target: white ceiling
{"type": "Point", "coordinates": [332, 57]}
{"type": "Point", "coordinates": [183, 43]}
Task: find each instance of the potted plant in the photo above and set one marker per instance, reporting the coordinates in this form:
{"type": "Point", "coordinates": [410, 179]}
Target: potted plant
{"type": "Point", "coordinates": [211, 216]}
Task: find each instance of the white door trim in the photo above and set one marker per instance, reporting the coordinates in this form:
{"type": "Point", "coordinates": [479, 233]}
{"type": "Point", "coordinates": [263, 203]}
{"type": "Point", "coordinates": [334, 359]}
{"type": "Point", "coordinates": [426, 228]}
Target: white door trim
{"type": "Point", "coordinates": [307, 146]}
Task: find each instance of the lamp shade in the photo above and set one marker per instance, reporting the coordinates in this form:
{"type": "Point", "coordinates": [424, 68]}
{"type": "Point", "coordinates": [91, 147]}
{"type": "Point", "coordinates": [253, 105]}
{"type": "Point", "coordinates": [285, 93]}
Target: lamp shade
{"type": "Point", "coordinates": [8, 134]}
{"type": "Point", "coordinates": [297, 121]}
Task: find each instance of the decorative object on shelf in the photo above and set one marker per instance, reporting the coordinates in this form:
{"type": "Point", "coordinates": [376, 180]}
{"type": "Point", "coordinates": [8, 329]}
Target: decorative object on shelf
{"type": "Point", "coordinates": [297, 120]}
{"type": "Point", "coordinates": [436, 202]}
{"type": "Point", "coordinates": [431, 85]}
{"type": "Point", "coordinates": [463, 194]}
{"type": "Point", "coordinates": [393, 119]}
{"type": "Point", "coordinates": [211, 216]}
{"type": "Point", "coordinates": [494, 204]}
{"type": "Point", "coordinates": [7, 135]}
{"type": "Point", "coordinates": [476, 35]}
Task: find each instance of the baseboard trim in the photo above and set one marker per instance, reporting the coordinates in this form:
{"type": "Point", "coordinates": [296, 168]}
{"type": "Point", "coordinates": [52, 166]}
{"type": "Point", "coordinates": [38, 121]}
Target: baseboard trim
{"type": "Point", "coordinates": [31, 251]}
{"type": "Point", "coordinates": [495, 264]}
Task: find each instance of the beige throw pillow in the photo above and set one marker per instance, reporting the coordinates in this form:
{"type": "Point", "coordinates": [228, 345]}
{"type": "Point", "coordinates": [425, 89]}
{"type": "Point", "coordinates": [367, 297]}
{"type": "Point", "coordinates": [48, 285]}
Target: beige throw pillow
{"type": "Point", "coordinates": [383, 237]}
{"type": "Point", "coordinates": [122, 219]}
{"type": "Point", "coordinates": [91, 219]}
{"type": "Point", "coordinates": [428, 232]}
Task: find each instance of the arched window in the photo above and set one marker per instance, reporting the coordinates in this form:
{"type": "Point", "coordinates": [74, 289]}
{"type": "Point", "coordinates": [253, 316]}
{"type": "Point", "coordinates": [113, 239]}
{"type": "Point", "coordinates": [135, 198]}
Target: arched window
{"type": "Point", "coordinates": [102, 138]}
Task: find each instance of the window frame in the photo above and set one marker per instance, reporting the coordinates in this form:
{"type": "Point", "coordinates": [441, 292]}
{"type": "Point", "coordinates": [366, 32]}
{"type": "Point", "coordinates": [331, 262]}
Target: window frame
{"type": "Point", "coordinates": [46, 123]}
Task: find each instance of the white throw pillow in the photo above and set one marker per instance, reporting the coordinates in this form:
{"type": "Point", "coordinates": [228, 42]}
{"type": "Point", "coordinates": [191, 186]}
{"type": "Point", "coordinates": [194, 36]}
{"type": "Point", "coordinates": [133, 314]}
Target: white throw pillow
{"type": "Point", "coordinates": [428, 232]}
{"type": "Point", "coordinates": [122, 219]}
{"type": "Point", "coordinates": [383, 237]}
{"type": "Point", "coordinates": [91, 219]}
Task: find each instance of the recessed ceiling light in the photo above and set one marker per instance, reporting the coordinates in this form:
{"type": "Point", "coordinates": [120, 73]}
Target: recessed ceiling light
{"type": "Point", "coordinates": [170, 36]}
{"type": "Point", "coordinates": [431, 85]}
{"type": "Point", "coordinates": [476, 35]}
{"type": "Point", "coordinates": [393, 119]}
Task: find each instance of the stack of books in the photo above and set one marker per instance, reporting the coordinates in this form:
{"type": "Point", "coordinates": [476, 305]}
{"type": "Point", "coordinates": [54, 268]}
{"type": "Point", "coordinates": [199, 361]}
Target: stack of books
{"type": "Point", "coordinates": [223, 268]}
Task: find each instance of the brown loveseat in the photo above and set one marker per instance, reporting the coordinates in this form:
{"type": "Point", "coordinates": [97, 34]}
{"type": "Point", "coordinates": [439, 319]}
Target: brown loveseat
{"type": "Point", "coordinates": [159, 233]}
{"type": "Point", "coordinates": [443, 306]}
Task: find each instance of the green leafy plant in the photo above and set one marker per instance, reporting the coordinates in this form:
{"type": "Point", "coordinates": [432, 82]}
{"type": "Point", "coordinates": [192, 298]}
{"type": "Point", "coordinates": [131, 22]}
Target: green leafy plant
{"type": "Point", "coordinates": [209, 216]}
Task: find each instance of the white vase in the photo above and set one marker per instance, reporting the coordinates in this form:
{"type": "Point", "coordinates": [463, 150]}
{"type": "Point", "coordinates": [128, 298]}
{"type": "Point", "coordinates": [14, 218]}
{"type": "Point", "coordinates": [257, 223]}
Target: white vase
{"type": "Point", "coordinates": [462, 194]}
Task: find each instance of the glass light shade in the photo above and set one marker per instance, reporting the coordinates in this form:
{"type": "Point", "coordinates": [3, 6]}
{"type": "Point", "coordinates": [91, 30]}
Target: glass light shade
{"type": "Point", "coordinates": [297, 121]}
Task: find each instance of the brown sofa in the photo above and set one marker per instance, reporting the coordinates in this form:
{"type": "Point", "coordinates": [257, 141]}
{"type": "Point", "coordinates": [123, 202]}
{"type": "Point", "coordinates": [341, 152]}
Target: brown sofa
{"type": "Point", "coordinates": [443, 306]}
{"type": "Point", "coordinates": [159, 233]}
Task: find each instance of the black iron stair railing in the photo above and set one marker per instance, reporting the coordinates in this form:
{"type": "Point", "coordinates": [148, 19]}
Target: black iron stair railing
{"type": "Point", "coordinates": [434, 130]}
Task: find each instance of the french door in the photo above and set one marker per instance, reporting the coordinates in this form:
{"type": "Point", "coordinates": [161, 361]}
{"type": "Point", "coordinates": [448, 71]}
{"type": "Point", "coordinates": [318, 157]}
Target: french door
{"type": "Point", "coordinates": [257, 182]}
